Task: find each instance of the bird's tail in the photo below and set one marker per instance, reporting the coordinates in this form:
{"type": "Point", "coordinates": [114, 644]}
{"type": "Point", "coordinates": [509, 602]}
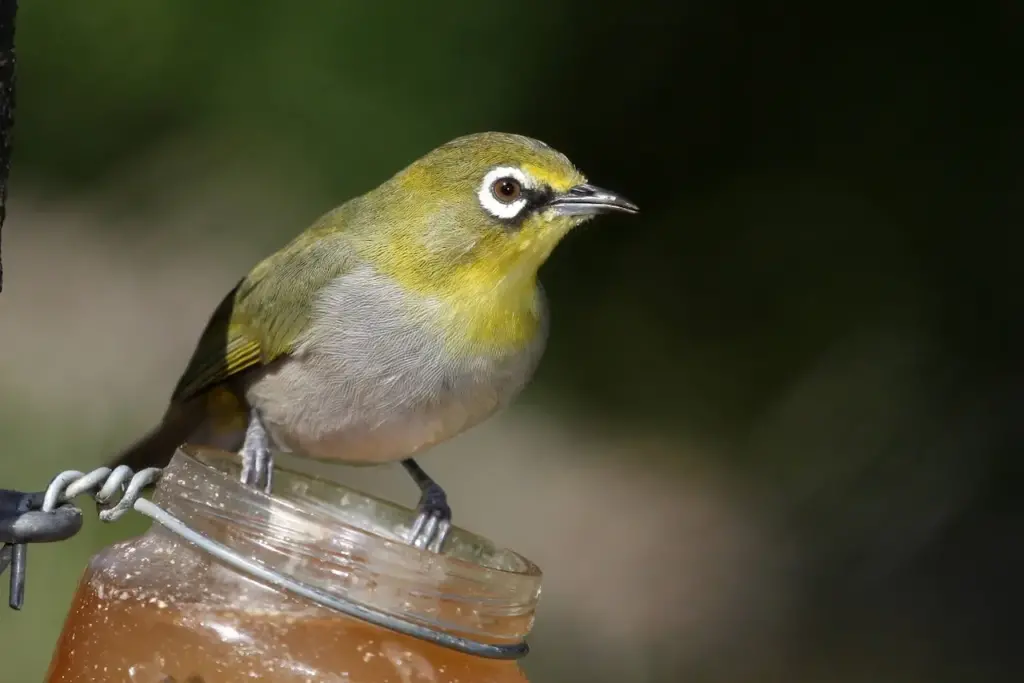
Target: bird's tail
{"type": "Point", "coordinates": [156, 448]}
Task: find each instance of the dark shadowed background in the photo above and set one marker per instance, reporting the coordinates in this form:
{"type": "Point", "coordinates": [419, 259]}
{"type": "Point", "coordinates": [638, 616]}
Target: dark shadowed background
{"type": "Point", "coordinates": [774, 434]}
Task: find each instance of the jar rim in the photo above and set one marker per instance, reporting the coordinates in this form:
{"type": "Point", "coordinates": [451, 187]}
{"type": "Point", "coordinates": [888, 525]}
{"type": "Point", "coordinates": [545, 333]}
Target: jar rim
{"type": "Point", "coordinates": [227, 464]}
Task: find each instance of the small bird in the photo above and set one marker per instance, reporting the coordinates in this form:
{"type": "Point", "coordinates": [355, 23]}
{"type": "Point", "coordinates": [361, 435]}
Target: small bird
{"type": "Point", "coordinates": [398, 320]}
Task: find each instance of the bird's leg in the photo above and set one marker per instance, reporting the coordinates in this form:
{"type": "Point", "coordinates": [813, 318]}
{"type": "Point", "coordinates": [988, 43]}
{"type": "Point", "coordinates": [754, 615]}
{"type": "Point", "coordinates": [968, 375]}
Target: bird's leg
{"type": "Point", "coordinates": [257, 458]}
{"type": "Point", "coordinates": [435, 517]}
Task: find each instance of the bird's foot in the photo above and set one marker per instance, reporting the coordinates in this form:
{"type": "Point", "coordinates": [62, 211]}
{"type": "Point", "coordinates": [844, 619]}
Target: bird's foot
{"type": "Point", "coordinates": [434, 520]}
{"type": "Point", "coordinates": [257, 458]}
{"type": "Point", "coordinates": [258, 468]}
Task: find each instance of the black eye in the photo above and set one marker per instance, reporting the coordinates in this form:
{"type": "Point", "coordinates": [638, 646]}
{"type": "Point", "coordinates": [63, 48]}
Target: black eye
{"type": "Point", "coordinates": [506, 190]}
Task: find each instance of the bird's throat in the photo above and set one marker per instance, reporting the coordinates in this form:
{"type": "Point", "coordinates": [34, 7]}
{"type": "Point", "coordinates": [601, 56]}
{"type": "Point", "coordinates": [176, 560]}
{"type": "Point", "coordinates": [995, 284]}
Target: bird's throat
{"type": "Point", "coordinates": [494, 321]}
{"type": "Point", "coordinates": [480, 314]}
{"type": "Point", "coordinates": [487, 303]}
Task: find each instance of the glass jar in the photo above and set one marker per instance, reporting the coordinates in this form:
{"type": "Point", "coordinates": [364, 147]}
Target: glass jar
{"type": "Point", "coordinates": [158, 609]}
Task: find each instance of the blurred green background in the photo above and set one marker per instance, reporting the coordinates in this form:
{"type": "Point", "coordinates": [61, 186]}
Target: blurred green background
{"type": "Point", "coordinates": [774, 434]}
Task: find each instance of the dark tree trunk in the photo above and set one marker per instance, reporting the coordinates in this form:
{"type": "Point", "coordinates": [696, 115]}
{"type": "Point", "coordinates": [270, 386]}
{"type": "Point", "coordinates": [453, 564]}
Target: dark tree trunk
{"type": "Point", "coordinates": [8, 10]}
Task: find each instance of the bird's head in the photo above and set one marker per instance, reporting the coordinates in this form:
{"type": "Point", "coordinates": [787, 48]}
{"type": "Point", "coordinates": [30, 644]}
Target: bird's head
{"type": "Point", "coordinates": [486, 208]}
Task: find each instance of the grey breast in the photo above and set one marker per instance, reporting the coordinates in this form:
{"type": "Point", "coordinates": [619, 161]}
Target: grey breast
{"type": "Point", "coordinates": [371, 381]}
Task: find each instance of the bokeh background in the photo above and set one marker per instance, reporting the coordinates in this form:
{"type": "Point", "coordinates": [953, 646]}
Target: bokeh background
{"type": "Point", "coordinates": [776, 432]}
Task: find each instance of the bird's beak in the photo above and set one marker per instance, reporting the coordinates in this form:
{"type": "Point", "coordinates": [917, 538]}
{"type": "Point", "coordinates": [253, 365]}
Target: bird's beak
{"type": "Point", "coordinates": [587, 200]}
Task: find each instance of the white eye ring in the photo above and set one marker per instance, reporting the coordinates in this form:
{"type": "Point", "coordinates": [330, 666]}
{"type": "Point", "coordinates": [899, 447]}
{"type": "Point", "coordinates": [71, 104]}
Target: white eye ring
{"type": "Point", "coordinates": [495, 206]}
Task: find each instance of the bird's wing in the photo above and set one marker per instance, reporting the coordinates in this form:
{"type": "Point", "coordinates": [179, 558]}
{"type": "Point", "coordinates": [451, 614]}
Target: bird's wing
{"type": "Point", "coordinates": [260, 319]}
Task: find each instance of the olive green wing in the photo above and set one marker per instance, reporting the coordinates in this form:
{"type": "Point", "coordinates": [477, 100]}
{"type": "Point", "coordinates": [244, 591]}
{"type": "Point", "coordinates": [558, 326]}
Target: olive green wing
{"type": "Point", "coordinates": [263, 317]}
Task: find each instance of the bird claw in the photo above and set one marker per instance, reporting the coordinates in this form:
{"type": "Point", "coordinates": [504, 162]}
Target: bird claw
{"type": "Point", "coordinates": [258, 468]}
{"type": "Point", "coordinates": [434, 521]}
{"type": "Point", "coordinates": [257, 458]}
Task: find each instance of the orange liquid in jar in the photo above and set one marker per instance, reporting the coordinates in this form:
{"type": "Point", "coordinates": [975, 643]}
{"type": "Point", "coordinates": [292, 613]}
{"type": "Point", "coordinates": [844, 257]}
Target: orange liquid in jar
{"type": "Point", "coordinates": [116, 634]}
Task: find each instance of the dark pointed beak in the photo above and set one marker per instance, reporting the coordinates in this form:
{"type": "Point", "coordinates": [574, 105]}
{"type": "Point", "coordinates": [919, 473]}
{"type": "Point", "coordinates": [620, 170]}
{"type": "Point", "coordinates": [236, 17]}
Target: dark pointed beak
{"type": "Point", "coordinates": [587, 200]}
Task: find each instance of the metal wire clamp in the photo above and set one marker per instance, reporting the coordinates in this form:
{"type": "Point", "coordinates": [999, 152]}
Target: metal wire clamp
{"type": "Point", "coordinates": [50, 516]}
{"type": "Point", "coordinates": [22, 522]}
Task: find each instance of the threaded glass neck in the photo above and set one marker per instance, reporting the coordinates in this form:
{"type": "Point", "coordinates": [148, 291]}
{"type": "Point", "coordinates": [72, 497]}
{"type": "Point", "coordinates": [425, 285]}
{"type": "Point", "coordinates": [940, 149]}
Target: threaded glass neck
{"type": "Point", "coordinates": [352, 546]}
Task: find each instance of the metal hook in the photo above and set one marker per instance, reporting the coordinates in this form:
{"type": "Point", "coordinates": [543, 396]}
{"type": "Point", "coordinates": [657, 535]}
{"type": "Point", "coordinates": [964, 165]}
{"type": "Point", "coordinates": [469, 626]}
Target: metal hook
{"type": "Point", "coordinates": [23, 522]}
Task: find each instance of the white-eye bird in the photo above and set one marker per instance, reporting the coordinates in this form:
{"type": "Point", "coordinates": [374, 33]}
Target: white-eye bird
{"type": "Point", "coordinates": [398, 320]}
